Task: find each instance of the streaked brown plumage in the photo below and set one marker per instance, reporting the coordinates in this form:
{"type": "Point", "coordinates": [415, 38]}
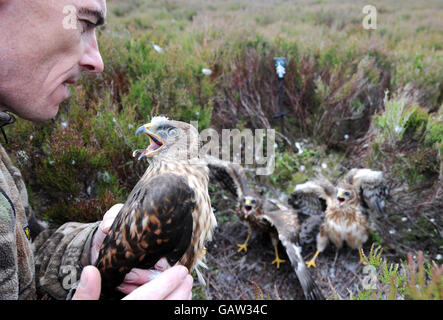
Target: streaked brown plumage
{"type": "Point", "coordinates": [168, 213]}
{"type": "Point", "coordinates": [265, 215]}
{"type": "Point", "coordinates": [343, 210]}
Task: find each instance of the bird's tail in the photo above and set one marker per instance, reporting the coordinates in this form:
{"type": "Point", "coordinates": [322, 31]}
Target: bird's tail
{"type": "Point", "coordinates": [201, 280]}
{"type": "Point", "coordinates": [310, 288]}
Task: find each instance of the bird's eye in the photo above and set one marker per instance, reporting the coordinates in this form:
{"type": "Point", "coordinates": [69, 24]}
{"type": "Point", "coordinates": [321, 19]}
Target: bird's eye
{"type": "Point", "coordinates": [173, 132]}
{"type": "Point", "coordinates": [347, 193]}
{"type": "Point", "coordinates": [253, 201]}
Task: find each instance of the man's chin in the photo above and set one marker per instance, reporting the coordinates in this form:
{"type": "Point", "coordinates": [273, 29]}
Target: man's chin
{"type": "Point", "coordinates": [42, 114]}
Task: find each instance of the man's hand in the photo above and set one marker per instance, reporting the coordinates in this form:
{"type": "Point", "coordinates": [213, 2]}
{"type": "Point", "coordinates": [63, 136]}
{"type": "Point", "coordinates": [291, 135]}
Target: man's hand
{"type": "Point", "coordinates": [162, 282]}
{"type": "Point", "coordinates": [103, 230]}
{"type": "Point", "coordinates": [173, 284]}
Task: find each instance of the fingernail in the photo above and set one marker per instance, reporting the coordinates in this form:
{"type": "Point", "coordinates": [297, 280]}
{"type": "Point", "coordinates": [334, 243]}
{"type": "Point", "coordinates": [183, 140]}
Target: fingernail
{"type": "Point", "coordinates": [153, 274]}
{"type": "Point", "coordinates": [162, 264]}
{"type": "Point", "coordinates": [131, 277]}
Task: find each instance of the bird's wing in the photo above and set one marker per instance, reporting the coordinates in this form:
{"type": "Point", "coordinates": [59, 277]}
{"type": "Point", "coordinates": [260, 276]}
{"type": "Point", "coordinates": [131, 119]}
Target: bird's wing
{"type": "Point", "coordinates": [370, 186]}
{"type": "Point", "coordinates": [155, 222]}
{"type": "Point", "coordinates": [231, 175]}
{"type": "Point", "coordinates": [286, 223]}
{"type": "Point", "coordinates": [312, 198]}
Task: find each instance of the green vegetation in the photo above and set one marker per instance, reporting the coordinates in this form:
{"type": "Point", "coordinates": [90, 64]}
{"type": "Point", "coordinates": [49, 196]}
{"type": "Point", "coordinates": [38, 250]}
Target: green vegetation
{"type": "Point", "coordinates": [413, 279]}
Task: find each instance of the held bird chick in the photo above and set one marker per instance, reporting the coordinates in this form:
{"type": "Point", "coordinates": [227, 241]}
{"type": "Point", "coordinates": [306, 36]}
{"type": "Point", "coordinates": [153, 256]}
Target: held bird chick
{"type": "Point", "coordinates": [168, 213]}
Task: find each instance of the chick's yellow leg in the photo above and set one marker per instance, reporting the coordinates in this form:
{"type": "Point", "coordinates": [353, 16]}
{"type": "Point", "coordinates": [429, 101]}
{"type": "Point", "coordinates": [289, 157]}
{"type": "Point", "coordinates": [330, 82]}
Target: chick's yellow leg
{"type": "Point", "coordinates": [244, 246]}
{"type": "Point", "coordinates": [277, 259]}
{"type": "Point", "coordinates": [311, 263]}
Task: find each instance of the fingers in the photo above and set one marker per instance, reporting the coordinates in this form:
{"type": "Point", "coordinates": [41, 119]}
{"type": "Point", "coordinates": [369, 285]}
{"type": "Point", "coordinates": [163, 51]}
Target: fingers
{"type": "Point", "coordinates": [162, 265]}
{"type": "Point", "coordinates": [89, 286]}
{"type": "Point", "coordinates": [183, 292]}
{"type": "Point", "coordinates": [138, 277]}
{"type": "Point", "coordinates": [164, 285]}
{"type": "Point", "coordinates": [103, 229]}
{"type": "Point", "coordinates": [109, 217]}
{"type": "Point", "coordinates": [141, 276]}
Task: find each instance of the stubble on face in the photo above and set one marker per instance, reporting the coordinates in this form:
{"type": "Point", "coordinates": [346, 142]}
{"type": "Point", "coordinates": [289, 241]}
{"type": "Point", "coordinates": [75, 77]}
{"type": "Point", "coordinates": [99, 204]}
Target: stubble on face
{"type": "Point", "coordinates": [40, 56]}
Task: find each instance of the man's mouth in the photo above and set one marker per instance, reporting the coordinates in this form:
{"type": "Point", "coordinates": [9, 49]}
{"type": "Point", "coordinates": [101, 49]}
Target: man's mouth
{"type": "Point", "coordinates": [73, 79]}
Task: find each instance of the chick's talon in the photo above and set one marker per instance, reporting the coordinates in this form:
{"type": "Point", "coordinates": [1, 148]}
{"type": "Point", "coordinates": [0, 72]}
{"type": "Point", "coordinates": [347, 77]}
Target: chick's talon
{"type": "Point", "coordinates": [242, 246]}
{"type": "Point", "coordinates": [277, 261]}
{"type": "Point", "coordinates": [311, 263]}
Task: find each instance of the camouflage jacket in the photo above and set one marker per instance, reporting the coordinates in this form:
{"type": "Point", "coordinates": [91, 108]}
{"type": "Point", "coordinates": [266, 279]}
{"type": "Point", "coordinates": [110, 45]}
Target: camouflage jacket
{"type": "Point", "coordinates": [55, 263]}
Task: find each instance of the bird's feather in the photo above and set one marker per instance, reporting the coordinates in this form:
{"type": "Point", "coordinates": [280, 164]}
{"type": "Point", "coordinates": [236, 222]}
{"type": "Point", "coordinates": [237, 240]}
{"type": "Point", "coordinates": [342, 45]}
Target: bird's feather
{"type": "Point", "coordinates": [370, 186]}
{"type": "Point", "coordinates": [230, 175]}
{"type": "Point", "coordinates": [155, 222]}
{"type": "Point", "coordinates": [313, 197]}
{"type": "Point", "coordinates": [287, 225]}
{"type": "Point", "coordinates": [271, 216]}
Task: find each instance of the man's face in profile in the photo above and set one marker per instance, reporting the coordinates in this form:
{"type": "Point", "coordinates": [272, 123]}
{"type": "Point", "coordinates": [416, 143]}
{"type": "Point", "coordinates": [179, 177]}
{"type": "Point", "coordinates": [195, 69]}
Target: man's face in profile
{"type": "Point", "coordinates": [44, 45]}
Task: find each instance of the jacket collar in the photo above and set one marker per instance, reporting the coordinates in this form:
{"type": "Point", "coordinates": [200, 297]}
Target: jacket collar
{"type": "Point", "coordinates": [5, 119]}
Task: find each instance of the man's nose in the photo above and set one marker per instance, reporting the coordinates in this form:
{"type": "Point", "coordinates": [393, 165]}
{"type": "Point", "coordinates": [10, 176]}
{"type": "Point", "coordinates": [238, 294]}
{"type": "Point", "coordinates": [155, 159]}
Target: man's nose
{"type": "Point", "coordinates": [92, 60]}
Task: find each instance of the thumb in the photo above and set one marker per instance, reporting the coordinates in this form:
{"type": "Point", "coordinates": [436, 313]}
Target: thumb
{"type": "Point", "coordinates": [89, 286]}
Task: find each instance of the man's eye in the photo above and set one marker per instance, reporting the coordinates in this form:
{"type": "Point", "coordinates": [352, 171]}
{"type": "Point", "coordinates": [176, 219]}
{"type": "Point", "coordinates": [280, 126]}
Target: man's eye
{"type": "Point", "coordinates": [87, 25]}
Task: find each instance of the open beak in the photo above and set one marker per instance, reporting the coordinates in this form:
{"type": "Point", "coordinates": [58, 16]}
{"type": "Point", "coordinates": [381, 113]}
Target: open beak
{"type": "Point", "coordinates": [248, 207]}
{"type": "Point", "coordinates": [340, 198]}
{"type": "Point", "coordinates": [155, 142]}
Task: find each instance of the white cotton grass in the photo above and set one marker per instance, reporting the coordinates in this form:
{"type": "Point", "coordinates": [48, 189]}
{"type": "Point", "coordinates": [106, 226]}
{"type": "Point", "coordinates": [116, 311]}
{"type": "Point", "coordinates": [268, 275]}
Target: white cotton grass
{"type": "Point", "coordinates": [206, 71]}
{"type": "Point", "coordinates": [157, 48]}
{"type": "Point", "coordinates": [299, 148]}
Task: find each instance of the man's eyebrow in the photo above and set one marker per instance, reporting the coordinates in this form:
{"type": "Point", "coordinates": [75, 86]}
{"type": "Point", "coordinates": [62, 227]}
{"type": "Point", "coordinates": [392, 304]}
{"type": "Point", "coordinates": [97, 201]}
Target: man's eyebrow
{"type": "Point", "coordinates": [98, 14]}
